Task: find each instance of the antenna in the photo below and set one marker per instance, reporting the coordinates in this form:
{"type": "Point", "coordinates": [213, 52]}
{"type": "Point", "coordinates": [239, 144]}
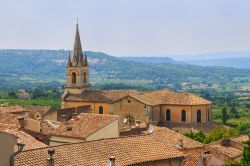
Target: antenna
{"type": "Point", "coordinates": [77, 20]}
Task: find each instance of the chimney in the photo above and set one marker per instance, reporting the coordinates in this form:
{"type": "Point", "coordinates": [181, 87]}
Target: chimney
{"type": "Point", "coordinates": [181, 144]}
{"type": "Point", "coordinates": [50, 159]}
{"type": "Point", "coordinates": [13, 155]}
{"type": "Point", "coordinates": [63, 118]}
{"type": "Point", "coordinates": [111, 161]}
{"type": "Point", "coordinates": [75, 116]}
{"type": "Point", "coordinates": [21, 122]}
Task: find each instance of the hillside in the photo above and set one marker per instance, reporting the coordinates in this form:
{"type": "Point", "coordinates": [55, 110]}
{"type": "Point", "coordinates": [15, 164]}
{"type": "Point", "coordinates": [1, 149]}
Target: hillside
{"type": "Point", "coordinates": [29, 68]}
{"type": "Point", "coordinates": [241, 62]}
{"type": "Point", "coordinates": [151, 59]}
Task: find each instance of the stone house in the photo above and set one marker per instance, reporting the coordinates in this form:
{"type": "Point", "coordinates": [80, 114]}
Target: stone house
{"type": "Point", "coordinates": [227, 150]}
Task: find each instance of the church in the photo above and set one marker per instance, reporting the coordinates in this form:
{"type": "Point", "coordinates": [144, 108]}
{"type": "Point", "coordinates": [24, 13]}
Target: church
{"type": "Point", "coordinates": [160, 106]}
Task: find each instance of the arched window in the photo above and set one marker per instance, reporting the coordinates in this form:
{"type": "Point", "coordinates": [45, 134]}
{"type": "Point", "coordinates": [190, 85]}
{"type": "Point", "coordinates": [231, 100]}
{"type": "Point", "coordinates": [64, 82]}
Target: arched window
{"type": "Point", "coordinates": [183, 116]}
{"type": "Point", "coordinates": [168, 115]}
{"type": "Point", "coordinates": [199, 116]}
{"type": "Point", "coordinates": [100, 110]}
{"type": "Point", "coordinates": [73, 78]}
{"type": "Point", "coordinates": [84, 77]}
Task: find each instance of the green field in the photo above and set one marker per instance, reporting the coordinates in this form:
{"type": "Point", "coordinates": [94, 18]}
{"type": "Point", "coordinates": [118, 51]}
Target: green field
{"type": "Point", "coordinates": [40, 101]}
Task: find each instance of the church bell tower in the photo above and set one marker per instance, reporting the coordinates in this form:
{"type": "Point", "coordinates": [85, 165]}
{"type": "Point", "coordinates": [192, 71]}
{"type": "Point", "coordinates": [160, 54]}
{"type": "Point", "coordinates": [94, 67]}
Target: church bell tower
{"type": "Point", "coordinates": [77, 71]}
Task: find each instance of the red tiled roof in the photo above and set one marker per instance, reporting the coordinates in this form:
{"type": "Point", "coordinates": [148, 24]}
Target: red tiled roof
{"type": "Point", "coordinates": [191, 160]}
{"type": "Point", "coordinates": [81, 127]}
{"type": "Point", "coordinates": [127, 151]}
{"type": "Point", "coordinates": [151, 98]}
{"type": "Point", "coordinates": [29, 141]}
{"type": "Point", "coordinates": [13, 109]}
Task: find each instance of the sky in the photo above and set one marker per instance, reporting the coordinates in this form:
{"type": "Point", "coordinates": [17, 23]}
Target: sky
{"type": "Point", "coordinates": [127, 27]}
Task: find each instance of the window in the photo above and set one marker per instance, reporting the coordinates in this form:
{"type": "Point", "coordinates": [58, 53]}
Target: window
{"type": "Point", "coordinates": [183, 116]}
{"type": "Point", "coordinates": [168, 115]}
{"type": "Point", "coordinates": [129, 120]}
{"type": "Point", "coordinates": [73, 78]}
{"type": "Point", "coordinates": [199, 116]}
{"type": "Point", "coordinates": [100, 110]}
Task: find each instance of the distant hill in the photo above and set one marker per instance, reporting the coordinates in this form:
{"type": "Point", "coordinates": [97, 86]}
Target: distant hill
{"type": "Point", "coordinates": [214, 55]}
{"type": "Point", "coordinates": [156, 60]}
{"type": "Point", "coordinates": [29, 68]}
{"type": "Point", "coordinates": [241, 62]}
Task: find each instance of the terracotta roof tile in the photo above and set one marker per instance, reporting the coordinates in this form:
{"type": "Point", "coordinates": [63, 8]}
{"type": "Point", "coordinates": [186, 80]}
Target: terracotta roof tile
{"type": "Point", "coordinates": [151, 98]}
{"type": "Point", "coordinates": [240, 139]}
{"type": "Point", "coordinates": [9, 118]}
{"type": "Point", "coordinates": [127, 151]}
{"type": "Point", "coordinates": [191, 160]}
{"type": "Point", "coordinates": [172, 137]}
{"type": "Point", "coordinates": [81, 127]}
{"type": "Point", "coordinates": [29, 141]}
{"type": "Point", "coordinates": [230, 151]}
{"type": "Point", "coordinates": [42, 109]}
{"type": "Point", "coordinates": [13, 109]}
{"type": "Point", "coordinates": [170, 97]}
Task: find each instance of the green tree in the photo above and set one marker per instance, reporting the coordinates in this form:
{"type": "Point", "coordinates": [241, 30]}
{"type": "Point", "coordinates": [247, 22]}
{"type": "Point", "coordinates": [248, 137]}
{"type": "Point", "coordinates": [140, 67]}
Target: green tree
{"type": "Point", "coordinates": [224, 115]}
{"type": "Point", "coordinates": [246, 155]}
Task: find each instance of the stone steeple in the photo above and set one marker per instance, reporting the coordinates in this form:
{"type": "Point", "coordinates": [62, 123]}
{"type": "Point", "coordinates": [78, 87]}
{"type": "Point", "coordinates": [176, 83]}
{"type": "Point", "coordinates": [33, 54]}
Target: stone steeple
{"type": "Point", "coordinates": [77, 68]}
{"type": "Point", "coordinates": [77, 58]}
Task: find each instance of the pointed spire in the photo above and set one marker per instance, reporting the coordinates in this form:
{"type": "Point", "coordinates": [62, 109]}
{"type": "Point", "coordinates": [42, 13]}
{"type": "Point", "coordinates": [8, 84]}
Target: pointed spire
{"type": "Point", "coordinates": [77, 51]}
{"type": "Point", "coordinates": [85, 60]}
{"type": "Point", "coordinates": [69, 60]}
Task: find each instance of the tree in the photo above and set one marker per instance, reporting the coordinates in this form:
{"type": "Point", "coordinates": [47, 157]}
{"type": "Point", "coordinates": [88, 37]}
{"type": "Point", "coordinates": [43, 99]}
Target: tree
{"type": "Point", "coordinates": [224, 115]}
{"type": "Point", "coordinates": [246, 155]}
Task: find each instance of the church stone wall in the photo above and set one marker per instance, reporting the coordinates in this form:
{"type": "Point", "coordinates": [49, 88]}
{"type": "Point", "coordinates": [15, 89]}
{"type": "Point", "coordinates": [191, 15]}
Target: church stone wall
{"type": "Point", "coordinates": [132, 107]}
{"type": "Point", "coordinates": [94, 106]}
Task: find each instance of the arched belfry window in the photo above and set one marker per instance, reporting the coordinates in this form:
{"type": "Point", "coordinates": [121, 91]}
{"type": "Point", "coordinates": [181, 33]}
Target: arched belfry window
{"type": "Point", "coordinates": [199, 116]}
{"type": "Point", "coordinates": [168, 115]}
{"type": "Point", "coordinates": [100, 110]}
{"type": "Point", "coordinates": [73, 78]}
{"type": "Point", "coordinates": [84, 77]}
{"type": "Point", "coordinates": [183, 116]}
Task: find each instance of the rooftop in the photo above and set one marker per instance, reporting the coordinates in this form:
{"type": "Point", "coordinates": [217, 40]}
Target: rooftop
{"type": "Point", "coordinates": [171, 137]}
{"type": "Point", "coordinates": [229, 149]}
{"type": "Point", "coordinates": [127, 151]}
{"type": "Point", "coordinates": [12, 109]}
{"type": "Point", "coordinates": [150, 98]}
{"type": "Point", "coordinates": [80, 126]}
{"type": "Point", "coordinates": [29, 141]}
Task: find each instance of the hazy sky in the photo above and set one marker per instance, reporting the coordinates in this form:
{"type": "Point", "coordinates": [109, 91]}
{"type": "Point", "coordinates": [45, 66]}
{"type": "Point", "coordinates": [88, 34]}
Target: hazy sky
{"type": "Point", "coordinates": [127, 27]}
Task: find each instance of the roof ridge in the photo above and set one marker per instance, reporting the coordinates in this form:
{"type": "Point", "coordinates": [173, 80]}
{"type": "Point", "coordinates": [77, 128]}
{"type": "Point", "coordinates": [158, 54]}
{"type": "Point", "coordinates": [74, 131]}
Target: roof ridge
{"type": "Point", "coordinates": [67, 144]}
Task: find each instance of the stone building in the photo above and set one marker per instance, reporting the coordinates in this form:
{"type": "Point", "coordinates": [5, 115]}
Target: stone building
{"type": "Point", "coordinates": [158, 107]}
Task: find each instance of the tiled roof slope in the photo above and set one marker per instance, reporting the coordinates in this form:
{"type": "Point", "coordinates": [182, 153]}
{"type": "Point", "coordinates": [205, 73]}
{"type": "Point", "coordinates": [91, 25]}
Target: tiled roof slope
{"type": "Point", "coordinates": [42, 109]}
{"type": "Point", "coordinates": [191, 160]}
{"type": "Point", "coordinates": [170, 97]}
{"type": "Point", "coordinates": [230, 151]}
{"type": "Point", "coordinates": [127, 151]}
{"type": "Point", "coordinates": [151, 98]}
{"type": "Point", "coordinates": [29, 141]}
{"type": "Point", "coordinates": [13, 109]}
{"type": "Point", "coordinates": [172, 138]}
{"type": "Point", "coordinates": [82, 126]}
{"type": "Point", "coordinates": [240, 139]}
{"type": "Point", "coordinates": [9, 118]}
{"type": "Point", "coordinates": [99, 95]}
